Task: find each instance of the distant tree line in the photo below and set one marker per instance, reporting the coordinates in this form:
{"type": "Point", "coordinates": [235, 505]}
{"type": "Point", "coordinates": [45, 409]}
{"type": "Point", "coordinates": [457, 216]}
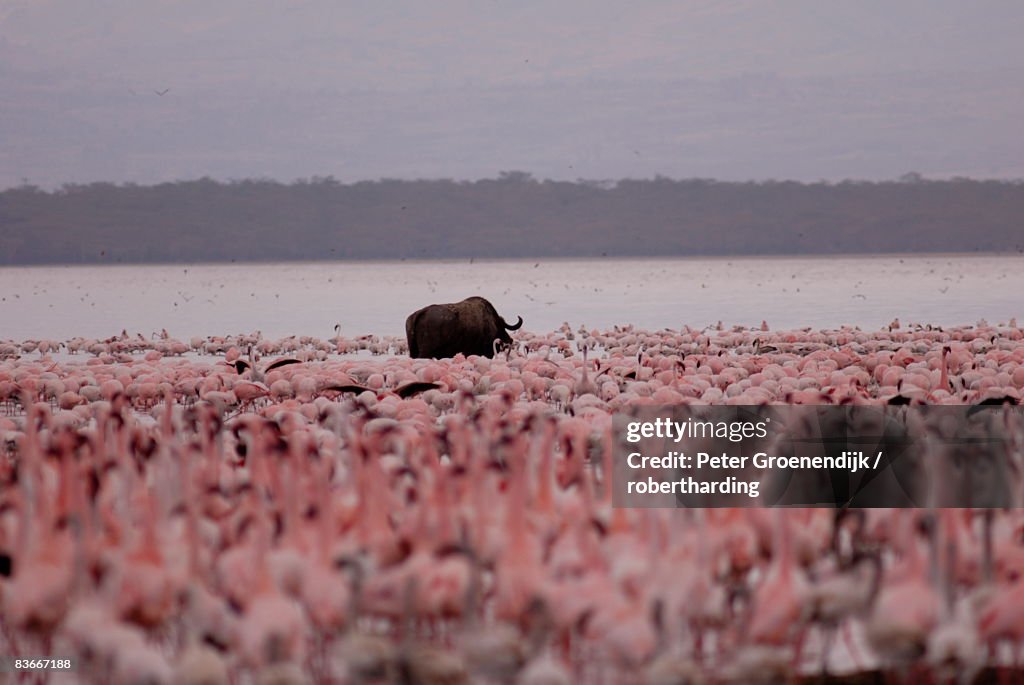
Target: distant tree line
{"type": "Point", "coordinates": [514, 215]}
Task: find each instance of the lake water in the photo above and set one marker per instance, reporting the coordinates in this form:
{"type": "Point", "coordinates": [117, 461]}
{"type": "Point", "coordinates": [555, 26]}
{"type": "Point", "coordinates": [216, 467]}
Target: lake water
{"type": "Point", "coordinates": [375, 297]}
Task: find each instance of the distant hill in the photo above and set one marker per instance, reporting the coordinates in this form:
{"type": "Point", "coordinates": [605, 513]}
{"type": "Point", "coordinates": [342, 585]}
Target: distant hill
{"type": "Point", "coordinates": [513, 215]}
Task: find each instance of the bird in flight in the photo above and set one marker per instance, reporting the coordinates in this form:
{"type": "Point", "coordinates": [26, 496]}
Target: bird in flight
{"type": "Point", "coordinates": [163, 92]}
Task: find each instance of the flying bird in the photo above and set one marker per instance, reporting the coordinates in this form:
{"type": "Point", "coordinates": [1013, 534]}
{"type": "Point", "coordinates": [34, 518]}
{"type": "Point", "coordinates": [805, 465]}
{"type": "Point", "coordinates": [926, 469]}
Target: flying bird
{"type": "Point", "coordinates": [163, 92]}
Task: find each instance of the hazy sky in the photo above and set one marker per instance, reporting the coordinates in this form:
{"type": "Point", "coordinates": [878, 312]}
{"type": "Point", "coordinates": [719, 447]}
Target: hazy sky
{"type": "Point", "coordinates": [735, 89]}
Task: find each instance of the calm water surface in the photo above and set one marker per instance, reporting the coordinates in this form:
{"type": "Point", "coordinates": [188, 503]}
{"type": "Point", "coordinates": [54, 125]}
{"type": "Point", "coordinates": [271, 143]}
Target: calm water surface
{"type": "Point", "coordinates": [375, 297]}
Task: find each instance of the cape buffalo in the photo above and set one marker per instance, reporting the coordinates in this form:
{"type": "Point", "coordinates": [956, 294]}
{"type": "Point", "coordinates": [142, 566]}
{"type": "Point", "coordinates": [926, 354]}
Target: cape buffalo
{"type": "Point", "coordinates": [445, 330]}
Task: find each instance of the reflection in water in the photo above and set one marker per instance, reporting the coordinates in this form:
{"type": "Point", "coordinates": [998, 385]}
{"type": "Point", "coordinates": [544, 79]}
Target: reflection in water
{"type": "Point", "coordinates": [365, 297]}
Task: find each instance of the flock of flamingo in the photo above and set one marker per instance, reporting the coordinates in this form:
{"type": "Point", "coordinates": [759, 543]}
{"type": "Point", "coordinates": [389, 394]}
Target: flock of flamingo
{"type": "Point", "coordinates": [247, 510]}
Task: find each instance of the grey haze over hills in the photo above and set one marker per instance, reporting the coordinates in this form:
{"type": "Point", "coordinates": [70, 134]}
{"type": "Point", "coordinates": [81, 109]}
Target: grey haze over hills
{"type": "Point", "coordinates": [575, 89]}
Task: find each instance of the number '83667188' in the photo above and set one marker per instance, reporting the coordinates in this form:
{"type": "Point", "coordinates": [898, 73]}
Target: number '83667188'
{"type": "Point", "coordinates": [15, 664]}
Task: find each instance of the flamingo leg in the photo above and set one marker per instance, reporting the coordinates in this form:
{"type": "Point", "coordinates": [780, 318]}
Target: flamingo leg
{"type": "Point", "coordinates": [846, 632]}
{"type": "Point", "coordinates": [828, 636]}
